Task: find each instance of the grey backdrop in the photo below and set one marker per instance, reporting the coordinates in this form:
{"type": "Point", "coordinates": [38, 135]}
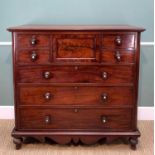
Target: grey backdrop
{"type": "Point", "coordinates": [133, 12]}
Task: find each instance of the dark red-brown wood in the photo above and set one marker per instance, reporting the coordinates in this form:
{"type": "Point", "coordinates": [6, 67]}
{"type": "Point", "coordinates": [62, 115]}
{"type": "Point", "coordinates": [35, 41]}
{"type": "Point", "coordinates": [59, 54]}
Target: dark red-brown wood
{"type": "Point", "coordinates": [118, 56]}
{"type": "Point", "coordinates": [26, 40]}
{"type": "Point", "coordinates": [76, 74]}
{"type": "Point", "coordinates": [75, 119]}
{"type": "Point", "coordinates": [33, 56]}
{"type": "Point", "coordinates": [76, 95]}
{"type": "Point", "coordinates": [79, 83]}
{"type": "Point", "coordinates": [118, 41]}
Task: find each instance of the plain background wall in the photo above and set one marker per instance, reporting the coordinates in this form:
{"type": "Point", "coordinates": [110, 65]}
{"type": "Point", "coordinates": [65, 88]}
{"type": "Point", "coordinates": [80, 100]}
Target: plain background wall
{"type": "Point", "coordinates": [132, 12]}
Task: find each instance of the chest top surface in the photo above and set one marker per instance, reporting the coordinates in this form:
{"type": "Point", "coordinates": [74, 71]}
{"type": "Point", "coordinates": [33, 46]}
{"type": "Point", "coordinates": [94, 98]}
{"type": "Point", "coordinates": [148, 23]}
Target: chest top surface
{"type": "Point", "coordinates": [76, 28]}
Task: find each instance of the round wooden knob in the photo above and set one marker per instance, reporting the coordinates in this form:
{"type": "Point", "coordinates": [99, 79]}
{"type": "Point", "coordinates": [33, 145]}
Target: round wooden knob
{"type": "Point", "coordinates": [48, 96]}
{"type": "Point", "coordinates": [34, 56]}
{"type": "Point", "coordinates": [118, 41]}
{"type": "Point", "coordinates": [48, 119]}
{"type": "Point", "coordinates": [33, 40]}
{"type": "Point", "coordinates": [104, 75]}
{"type": "Point", "coordinates": [47, 75]}
{"type": "Point", "coordinates": [104, 97]}
{"type": "Point", "coordinates": [104, 119]}
{"type": "Point", "coordinates": [118, 56]}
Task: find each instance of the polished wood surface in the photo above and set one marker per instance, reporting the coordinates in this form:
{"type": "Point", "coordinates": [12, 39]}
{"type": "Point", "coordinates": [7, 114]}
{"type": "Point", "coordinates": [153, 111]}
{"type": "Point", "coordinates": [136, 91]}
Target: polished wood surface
{"type": "Point", "coordinates": [76, 74]}
{"type": "Point", "coordinates": [26, 41]}
{"type": "Point", "coordinates": [33, 56]}
{"type": "Point", "coordinates": [76, 47]}
{"type": "Point", "coordinates": [118, 41]}
{"type": "Point", "coordinates": [118, 56]}
{"type": "Point", "coordinates": [77, 27]}
{"type": "Point", "coordinates": [70, 79]}
{"type": "Point", "coordinates": [60, 95]}
{"type": "Point", "coordinates": [75, 119]}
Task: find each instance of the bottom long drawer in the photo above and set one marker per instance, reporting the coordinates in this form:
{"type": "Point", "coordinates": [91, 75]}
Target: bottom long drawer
{"type": "Point", "coordinates": [74, 119]}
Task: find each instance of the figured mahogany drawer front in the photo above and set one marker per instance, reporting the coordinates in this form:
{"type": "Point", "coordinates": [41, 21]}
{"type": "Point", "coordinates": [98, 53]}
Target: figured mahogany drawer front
{"type": "Point", "coordinates": [33, 40]}
{"type": "Point", "coordinates": [75, 95]}
{"type": "Point", "coordinates": [33, 56]}
{"type": "Point", "coordinates": [75, 48]}
{"type": "Point", "coordinates": [118, 56]}
{"type": "Point", "coordinates": [76, 74]}
{"type": "Point", "coordinates": [75, 118]}
{"type": "Point", "coordinates": [116, 41]}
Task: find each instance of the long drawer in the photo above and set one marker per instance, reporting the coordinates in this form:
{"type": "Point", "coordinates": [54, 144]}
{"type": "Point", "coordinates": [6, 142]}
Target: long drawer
{"type": "Point", "coordinates": [74, 119]}
{"type": "Point", "coordinates": [76, 74]}
{"type": "Point", "coordinates": [75, 95]}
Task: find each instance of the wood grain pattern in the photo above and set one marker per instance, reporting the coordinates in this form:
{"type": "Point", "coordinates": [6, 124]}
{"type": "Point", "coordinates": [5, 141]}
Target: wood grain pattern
{"type": "Point", "coordinates": [76, 95]}
{"type": "Point", "coordinates": [127, 41]}
{"type": "Point", "coordinates": [61, 119]}
{"type": "Point", "coordinates": [27, 57]}
{"type": "Point", "coordinates": [110, 56]}
{"type": "Point", "coordinates": [76, 47]}
{"type": "Point", "coordinates": [77, 27]}
{"type": "Point", "coordinates": [24, 40]}
{"type": "Point", "coordinates": [76, 74]}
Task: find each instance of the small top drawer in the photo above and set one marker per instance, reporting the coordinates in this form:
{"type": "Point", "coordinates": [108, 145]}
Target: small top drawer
{"type": "Point", "coordinates": [33, 56]}
{"type": "Point", "coordinates": [118, 56]}
{"type": "Point", "coordinates": [33, 40]}
{"type": "Point", "coordinates": [116, 41]}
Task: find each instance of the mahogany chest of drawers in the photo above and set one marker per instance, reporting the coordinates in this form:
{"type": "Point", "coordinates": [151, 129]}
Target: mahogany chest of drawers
{"type": "Point", "coordinates": [76, 83]}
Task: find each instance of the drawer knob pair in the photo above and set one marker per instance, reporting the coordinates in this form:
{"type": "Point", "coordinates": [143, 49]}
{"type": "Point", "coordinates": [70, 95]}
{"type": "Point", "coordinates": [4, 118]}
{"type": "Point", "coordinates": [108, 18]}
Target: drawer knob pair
{"type": "Point", "coordinates": [118, 41]}
{"type": "Point", "coordinates": [47, 75]}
